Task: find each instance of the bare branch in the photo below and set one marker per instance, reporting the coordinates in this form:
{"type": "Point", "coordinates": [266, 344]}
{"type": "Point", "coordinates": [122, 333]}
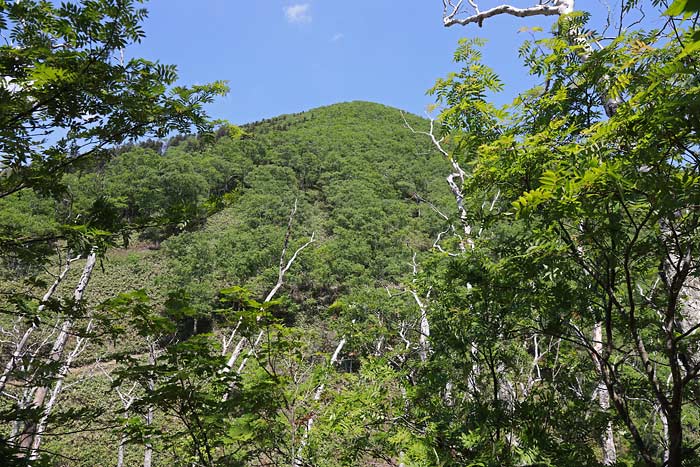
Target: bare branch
{"type": "Point", "coordinates": [283, 269]}
{"type": "Point", "coordinates": [559, 7]}
{"type": "Point", "coordinates": [31, 434]}
{"type": "Point", "coordinates": [455, 186]}
{"type": "Point", "coordinates": [20, 347]}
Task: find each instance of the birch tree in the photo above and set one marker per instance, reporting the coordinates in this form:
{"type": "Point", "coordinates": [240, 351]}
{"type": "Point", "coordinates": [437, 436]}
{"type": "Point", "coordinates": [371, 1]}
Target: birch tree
{"type": "Point", "coordinates": [284, 266]}
{"type": "Point", "coordinates": [30, 435]}
{"type": "Point", "coordinates": [556, 158]}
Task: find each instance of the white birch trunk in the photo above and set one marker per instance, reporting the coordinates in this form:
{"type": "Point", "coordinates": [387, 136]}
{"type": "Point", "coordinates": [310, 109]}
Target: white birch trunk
{"type": "Point", "coordinates": [120, 451]}
{"type": "Point", "coordinates": [690, 322]}
{"type": "Point", "coordinates": [148, 451]}
{"type": "Point", "coordinates": [19, 351]}
{"type": "Point", "coordinates": [56, 391]}
{"type": "Point", "coordinates": [664, 425]}
{"type": "Point", "coordinates": [31, 429]}
{"type": "Point", "coordinates": [282, 271]}
{"type": "Point", "coordinates": [127, 400]}
{"type": "Point", "coordinates": [607, 442]}
{"type": "Point", "coordinates": [298, 461]}
{"type": "Point", "coordinates": [423, 338]}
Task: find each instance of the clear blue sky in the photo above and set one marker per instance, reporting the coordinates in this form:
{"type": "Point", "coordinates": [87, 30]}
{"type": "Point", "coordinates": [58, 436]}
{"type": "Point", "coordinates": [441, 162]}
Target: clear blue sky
{"type": "Point", "coordinates": [289, 56]}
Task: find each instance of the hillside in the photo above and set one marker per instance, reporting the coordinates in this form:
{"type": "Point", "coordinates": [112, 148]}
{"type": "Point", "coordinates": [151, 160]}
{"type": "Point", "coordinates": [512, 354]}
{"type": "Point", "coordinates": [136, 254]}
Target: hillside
{"type": "Point", "coordinates": [359, 180]}
{"type": "Point", "coordinates": [519, 286]}
{"type": "Point", "coordinates": [356, 173]}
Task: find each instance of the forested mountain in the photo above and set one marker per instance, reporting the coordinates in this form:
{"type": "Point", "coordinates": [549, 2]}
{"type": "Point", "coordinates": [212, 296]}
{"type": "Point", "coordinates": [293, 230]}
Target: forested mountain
{"type": "Point", "coordinates": [358, 177]}
{"type": "Point", "coordinates": [351, 176]}
{"type": "Point", "coordinates": [352, 285]}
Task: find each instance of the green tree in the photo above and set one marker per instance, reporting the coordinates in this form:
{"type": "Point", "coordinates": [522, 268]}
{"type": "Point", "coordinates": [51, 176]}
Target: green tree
{"type": "Point", "coordinates": [69, 95]}
{"type": "Point", "coordinates": [591, 242]}
{"type": "Point", "coordinates": [689, 9]}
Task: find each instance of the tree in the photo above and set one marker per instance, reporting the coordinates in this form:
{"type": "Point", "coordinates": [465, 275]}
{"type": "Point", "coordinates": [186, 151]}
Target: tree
{"type": "Point", "coordinates": [595, 229]}
{"type": "Point", "coordinates": [687, 9]}
{"type": "Point", "coordinates": [68, 96]}
{"type": "Point", "coordinates": [69, 93]}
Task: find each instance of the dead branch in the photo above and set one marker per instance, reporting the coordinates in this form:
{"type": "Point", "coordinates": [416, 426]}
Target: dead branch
{"type": "Point", "coordinates": [452, 12]}
{"type": "Point", "coordinates": [284, 266]}
{"type": "Point", "coordinates": [19, 351]}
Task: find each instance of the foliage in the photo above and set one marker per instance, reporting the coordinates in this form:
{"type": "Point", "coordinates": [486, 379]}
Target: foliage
{"type": "Point", "coordinates": [69, 95]}
{"type": "Point", "coordinates": [593, 225]}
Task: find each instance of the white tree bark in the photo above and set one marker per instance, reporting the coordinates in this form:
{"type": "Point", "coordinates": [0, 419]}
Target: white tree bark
{"type": "Point", "coordinates": [664, 425]}
{"type": "Point", "coordinates": [269, 298]}
{"type": "Point", "coordinates": [20, 347]}
{"type": "Point", "coordinates": [127, 400]}
{"type": "Point", "coordinates": [120, 451]}
{"type": "Point", "coordinates": [424, 333]}
{"type": "Point", "coordinates": [452, 11]}
{"type": "Point", "coordinates": [80, 344]}
{"type": "Point", "coordinates": [424, 338]}
{"type": "Point", "coordinates": [148, 451]}
{"type": "Point", "coordinates": [33, 430]}
{"type": "Point", "coordinates": [607, 442]}
{"type": "Point", "coordinates": [690, 323]}
{"type": "Point", "coordinates": [284, 266]}
{"type": "Point", "coordinates": [455, 181]}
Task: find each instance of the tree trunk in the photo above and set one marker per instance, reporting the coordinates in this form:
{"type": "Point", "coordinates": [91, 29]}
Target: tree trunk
{"type": "Point", "coordinates": [32, 429]}
{"type": "Point", "coordinates": [120, 451]}
{"type": "Point", "coordinates": [423, 339]}
{"type": "Point", "coordinates": [607, 440]}
{"type": "Point", "coordinates": [58, 387]}
{"type": "Point", "coordinates": [675, 437]}
{"type": "Point", "coordinates": [148, 452]}
{"type": "Point", "coordinates": [19, 348]}
{"type": "Point", "coordinates": [282, 271]}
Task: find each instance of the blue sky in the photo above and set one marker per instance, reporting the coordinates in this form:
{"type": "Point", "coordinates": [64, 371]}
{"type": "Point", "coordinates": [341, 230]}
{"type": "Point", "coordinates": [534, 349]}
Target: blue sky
{"type": "Point", "coordinates": [289, 56]}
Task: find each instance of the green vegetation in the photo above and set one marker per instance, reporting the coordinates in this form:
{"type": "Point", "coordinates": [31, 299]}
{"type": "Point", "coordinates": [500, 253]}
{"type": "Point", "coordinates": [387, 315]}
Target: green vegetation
{"type": "Point", "coordinates": [352, 285]}
{"type": "Point", "coordinates": [216, 215]}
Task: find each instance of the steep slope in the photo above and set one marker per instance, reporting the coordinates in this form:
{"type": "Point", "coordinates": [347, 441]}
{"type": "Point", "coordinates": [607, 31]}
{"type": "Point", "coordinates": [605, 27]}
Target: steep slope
{"type": "Point", "coordinates": [354, 170]}
{"type": "Point", "coordinates": [358, 178]}
{"type": "Point", "coordinates": [356, 173]}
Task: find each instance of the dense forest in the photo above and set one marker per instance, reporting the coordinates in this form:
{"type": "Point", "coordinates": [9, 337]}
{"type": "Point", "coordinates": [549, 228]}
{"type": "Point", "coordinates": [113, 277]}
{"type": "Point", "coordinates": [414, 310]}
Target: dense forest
{"type": "Point", "coordinates": [351, 285]}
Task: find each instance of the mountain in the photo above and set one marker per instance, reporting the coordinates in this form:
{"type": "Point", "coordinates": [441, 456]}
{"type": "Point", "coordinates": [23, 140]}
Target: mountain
{"type": "Point", "coordinates": [356, 173]}
{"type": "Point", "coordinates": [218, 216]}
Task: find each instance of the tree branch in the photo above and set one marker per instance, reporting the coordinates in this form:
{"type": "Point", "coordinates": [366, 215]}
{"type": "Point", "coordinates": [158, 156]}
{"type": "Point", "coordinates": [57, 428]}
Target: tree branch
{"type": "Point", "coordinates": [559, 7]}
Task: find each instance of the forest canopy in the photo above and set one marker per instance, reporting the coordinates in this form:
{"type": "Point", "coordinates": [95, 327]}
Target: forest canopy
{"type": "Point", "coordinates": [353, 284]}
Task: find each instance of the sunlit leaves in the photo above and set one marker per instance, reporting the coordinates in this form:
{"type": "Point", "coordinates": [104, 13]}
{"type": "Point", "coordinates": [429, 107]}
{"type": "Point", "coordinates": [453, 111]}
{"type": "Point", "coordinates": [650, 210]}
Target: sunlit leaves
{"type": "Point", "coordinates": [683, 7]}
{"type": "Point", "coordinates": [588, 200]}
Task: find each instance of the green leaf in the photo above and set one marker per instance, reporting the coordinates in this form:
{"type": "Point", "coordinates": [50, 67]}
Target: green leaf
{"type": "Point", "coordinates": [683, 7]}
